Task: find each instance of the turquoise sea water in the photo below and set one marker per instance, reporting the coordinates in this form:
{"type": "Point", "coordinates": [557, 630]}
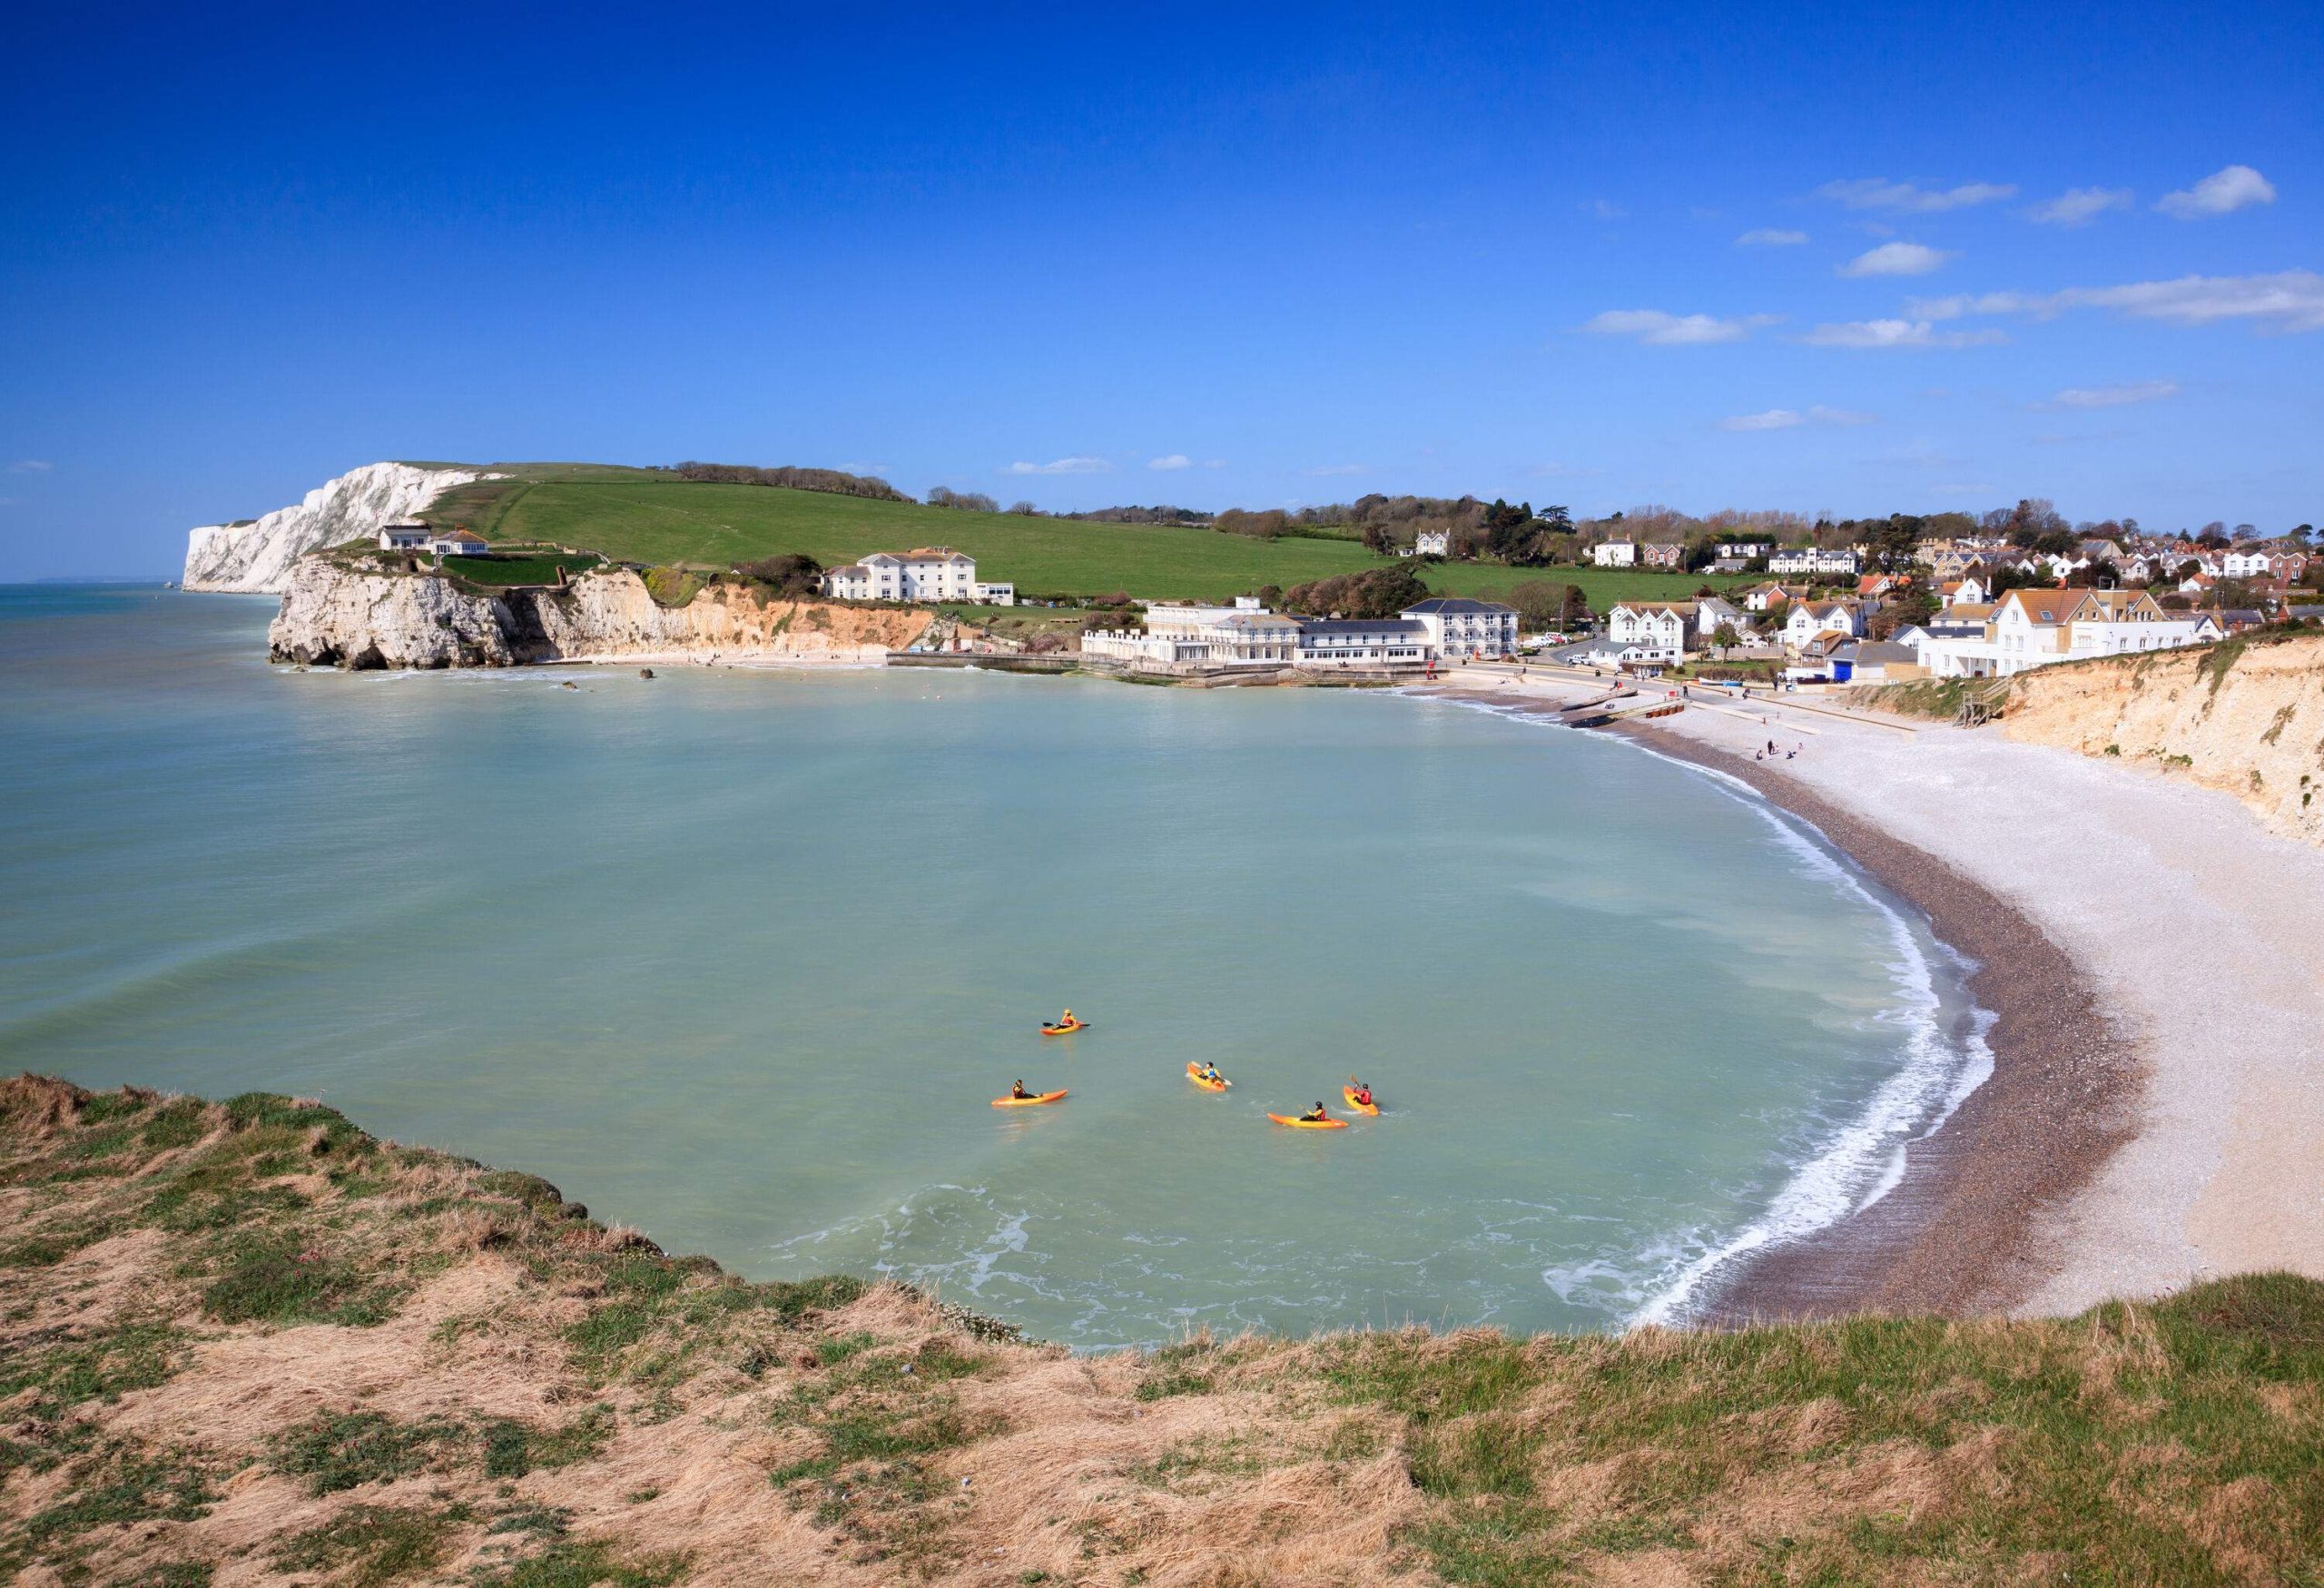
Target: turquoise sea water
{"type": "Point", "coordinates": [740, 957]}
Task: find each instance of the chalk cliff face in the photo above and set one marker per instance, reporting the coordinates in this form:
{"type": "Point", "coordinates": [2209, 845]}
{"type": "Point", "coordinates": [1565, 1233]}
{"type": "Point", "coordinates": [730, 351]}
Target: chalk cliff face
{"type": "Point", "coordinates": [2247, 720]}
{"type": "Point", "coordinates": [258, 555]}
{"type": "Point", "coordinates": [339, 617]}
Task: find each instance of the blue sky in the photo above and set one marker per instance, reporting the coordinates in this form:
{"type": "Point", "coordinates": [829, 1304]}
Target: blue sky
{"type": "Point", "coordinates": [1307, 253]}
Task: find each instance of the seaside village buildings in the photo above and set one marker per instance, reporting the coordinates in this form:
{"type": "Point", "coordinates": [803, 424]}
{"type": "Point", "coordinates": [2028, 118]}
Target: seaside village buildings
{"type": "Point", "coordinates": [1247, 634]}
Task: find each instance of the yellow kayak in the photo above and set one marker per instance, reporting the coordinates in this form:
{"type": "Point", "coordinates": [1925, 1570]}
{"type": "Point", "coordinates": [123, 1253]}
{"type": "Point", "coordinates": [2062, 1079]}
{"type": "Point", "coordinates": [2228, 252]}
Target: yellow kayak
{"type": "Point", "coordinates": [1047, 1097]}
{"type": "Point", "coordinates": [1050, 1028]}
{"type": "Point", "coordinates": [1348, 1093]}
{"type": "Point", "coordinates": [1298, 1124]}
{"type": "Point", "coordinates": [1195, 1074]}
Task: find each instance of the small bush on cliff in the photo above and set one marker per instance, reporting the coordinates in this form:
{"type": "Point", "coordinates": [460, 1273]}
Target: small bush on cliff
{"type": "Point", "coordinates": [792, 575]}
{"type": "Point", "coordinates": [673, 587]}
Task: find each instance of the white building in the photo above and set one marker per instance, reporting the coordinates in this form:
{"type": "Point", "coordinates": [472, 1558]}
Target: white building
{"type": "Point", "coordinates": [1615, 553]}
{"type": "Point", "coordinates": [1459, 628]}
{"type": "Point", "coordinates": [1003, 594]}
{"type": "Point", "coordinates": [926, 572]}
{"type": "Point", "coordinates": [1659, 629]}
{"type": "Point", "coordinates": [1808, 619]}
{"type": "Point", "coordinates": [1243, 635]}
{"type": "Point", "coordinates": [405, 536]}
{"type": "Point", "coordinates": [2249, 562]}
{"type": "Point", "coordinates": [1432, 543]}
{"type": "Point", "coordinates": [1374, 643]}
{"type": "Point", "coordinates": [1812, 559]}
{"type": "Point", "coordinates": [459, 543]}
{"type": "Point", "coordinates": [1713, 611]}
{"type": "Point", "coordinates": [2032, 629]}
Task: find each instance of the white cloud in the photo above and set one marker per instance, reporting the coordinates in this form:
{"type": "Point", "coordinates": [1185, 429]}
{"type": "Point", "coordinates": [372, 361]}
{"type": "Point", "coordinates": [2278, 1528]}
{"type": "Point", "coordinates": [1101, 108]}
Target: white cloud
{"type": "Point", "coordinates": [1895, 333]}
{"type": "Point", "coordinates": [2286, 300]}
{"type": "Point", "coordinates": [1657, 329]}
{"type": "Point", "coordinates": [1775, 419]}
{"type": "Point", "coordinates": [30, 466]}
{"type": "Point", "coordinates": [879, 468]}
{"type": "Point", "coordinates": [1785, 418]}
{"type": "Point", "coordinates": [1061, 466]}
{"type": "Point", "coordinates": [2120, 395]}
{"type": "Point", "coordinates": [1875, 193]}
{"type": "Point", "coordinates": [1897, 259]}
{"type": "Point", "coordinates": [1607, 211]}
{"type": "Point", "coordinates": [1174, 461]}
{"type": "Point", "coordinates": [2220, 194]}
{"type": "Point", "coordinates": [2079, 206]}
{"type": "Point", "coordinates": [1332, 469]}
{"type": "Point", "coordinates": [1770, 237]}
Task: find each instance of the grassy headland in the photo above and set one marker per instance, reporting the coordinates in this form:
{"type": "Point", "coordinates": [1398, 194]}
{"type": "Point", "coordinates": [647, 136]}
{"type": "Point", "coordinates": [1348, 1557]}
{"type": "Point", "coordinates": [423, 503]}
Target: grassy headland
{"type": "Point", "coordinates": [246, 1338]}
{"type": "Point", "coordinates": [645, 516]}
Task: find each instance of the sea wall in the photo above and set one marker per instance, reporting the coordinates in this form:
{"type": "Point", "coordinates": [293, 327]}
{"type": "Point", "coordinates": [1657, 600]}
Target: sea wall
{"type": "Point", "coordinates": [258, 555]}
{"type": "Point", "coordinates": [350, 617]}
{"type": "Point", "coordinates": [2244, 718]}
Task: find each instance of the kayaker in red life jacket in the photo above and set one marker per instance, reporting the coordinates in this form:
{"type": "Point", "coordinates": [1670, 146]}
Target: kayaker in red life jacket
{"type": "Point", "coordinates": [1362, 1095]}
{"type": "Point", "coordinates": [1017, 1089]}
{"type": "Point", "coordinates": [1315, 1114]}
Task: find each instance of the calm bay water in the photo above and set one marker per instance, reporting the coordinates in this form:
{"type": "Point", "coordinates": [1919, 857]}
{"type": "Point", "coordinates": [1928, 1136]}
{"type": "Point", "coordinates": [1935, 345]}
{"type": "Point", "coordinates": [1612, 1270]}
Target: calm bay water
{"type": "Point", "coordinates": [739, 958]}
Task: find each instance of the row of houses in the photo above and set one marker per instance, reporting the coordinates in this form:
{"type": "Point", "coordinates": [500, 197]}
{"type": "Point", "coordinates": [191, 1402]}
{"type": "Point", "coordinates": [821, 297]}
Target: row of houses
{"type": "Point", "coordinates": [2134, 562]}
{"type": "Point", "coordinates": [1248, 635]}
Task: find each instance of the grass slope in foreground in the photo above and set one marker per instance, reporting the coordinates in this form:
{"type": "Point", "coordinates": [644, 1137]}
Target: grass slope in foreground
{"type": "Point", "coordinates": [245, 1337]}
{"type": "Point", "coordinates": [650, 518]}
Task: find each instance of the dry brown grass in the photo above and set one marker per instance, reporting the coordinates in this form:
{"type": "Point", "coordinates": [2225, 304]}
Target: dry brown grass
{"type": "Point", "coordinates": [440, 1371]}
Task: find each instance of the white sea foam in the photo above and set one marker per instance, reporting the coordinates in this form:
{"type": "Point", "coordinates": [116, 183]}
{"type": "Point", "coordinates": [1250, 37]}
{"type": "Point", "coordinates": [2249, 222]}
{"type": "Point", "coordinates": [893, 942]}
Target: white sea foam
{"type": "Point", "coordinates": [1864, 1160]}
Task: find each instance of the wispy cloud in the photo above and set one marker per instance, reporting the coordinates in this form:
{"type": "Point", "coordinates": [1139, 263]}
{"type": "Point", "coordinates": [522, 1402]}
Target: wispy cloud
{"type": "Point", "coordinates": [2284, 301]}
{"type": "Point", "coordinates": [1061, 466]}
{"type": "Point", "coordinates": [1895, 333]}
{"type": "Point", "coordinates": [2220, 194]}
{"type": "Point", "coordinates": [865, 467]}
{"type": "Point", "coordinates": [1875, 193]}
{"type": "Point", "coordinates": [1897, 259]}
{"type": "Point", "coordinates": [2079, 206]}
{"type": "Point", "coordinates": [1785, 418]}
{"type": "Point", "coordinates": [30, 466]}
{"type": "Point", "coordinates": [2121, 396]}
{"type": "Point", "coordinates": [1770, 237]}
{"type": "Point", "coordinates": [1174, 460]}
{"type": "Point", "coordinates": [1657, 329]}
{"type": "Point", "coordinates": [1773, 418]}
{"type": "Point", "coordinates": [1605, 210]}
{"type": "Point", "coordinates": [1559, 471]}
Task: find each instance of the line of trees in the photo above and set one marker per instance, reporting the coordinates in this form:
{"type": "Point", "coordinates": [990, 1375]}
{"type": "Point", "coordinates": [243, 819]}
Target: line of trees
{"type": "Point", "coordinates": [833, 482]}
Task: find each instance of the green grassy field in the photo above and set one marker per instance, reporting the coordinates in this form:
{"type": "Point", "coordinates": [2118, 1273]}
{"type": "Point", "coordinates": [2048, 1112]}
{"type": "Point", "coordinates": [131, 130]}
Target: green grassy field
{"type": "Point", "coordinates": [638, 516]}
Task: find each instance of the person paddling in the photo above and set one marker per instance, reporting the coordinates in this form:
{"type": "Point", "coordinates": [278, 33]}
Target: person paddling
{"type": "Point", "coordinates": [1210, 1071]}
{"type": "Point", "coordinates": [1315, 1115]}
{"type": "Point", "coordinates": [1361, 1093]}
{"type": "Point", "coordinates": [1017, 1089]}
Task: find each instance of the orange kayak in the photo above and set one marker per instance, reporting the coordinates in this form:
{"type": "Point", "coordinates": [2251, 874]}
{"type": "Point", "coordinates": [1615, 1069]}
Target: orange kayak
{"type": "Point", "coordinates": [1348, 1092]}
{"type": "Point", "coordinates": [1047, 1097]}
{"type": "Point", "coordinates": [1193, 1073]}
{"type": "Point", "coordinates": [1050, 1030]}
{"type": "Point", "coordinates": [1299, 1124]}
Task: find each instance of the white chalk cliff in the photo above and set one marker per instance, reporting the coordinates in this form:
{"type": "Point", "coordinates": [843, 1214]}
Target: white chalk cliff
{"type": "Point", "coordinates": [349, 616]}
{"type": "Point", "coordinates": [256, 556]}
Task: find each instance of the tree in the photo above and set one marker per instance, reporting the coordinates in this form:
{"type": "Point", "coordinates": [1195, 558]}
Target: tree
{"type": "Point", "coordinates": [1540, 603]}
{"type": "Point", "coordinates": [1725, 637]}
{"type": "Point", "coordinates": [967, 501]}
{"type": "Point", "coordinates": [1889, 543]}
{"type": "Point", "coordinates": [1377, 540]}
{"type": "Point", "coordinates": [1024, 510]}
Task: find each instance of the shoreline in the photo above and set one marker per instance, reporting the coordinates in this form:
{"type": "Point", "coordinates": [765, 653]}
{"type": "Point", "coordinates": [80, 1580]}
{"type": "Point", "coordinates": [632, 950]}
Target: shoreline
{"type": "Point", "coordinates": [1959, 1233]}
{"type": "Point", "coordinates": [1962, 1230]}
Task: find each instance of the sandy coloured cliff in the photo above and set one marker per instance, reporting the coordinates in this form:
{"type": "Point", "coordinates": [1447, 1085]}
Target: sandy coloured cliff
{"type": "Point", "coordinates": [257, 556]}
{"type": "Point", "coordinates": [341, 616]}
{"type": "Point", "coordinates": [2244, 718]}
